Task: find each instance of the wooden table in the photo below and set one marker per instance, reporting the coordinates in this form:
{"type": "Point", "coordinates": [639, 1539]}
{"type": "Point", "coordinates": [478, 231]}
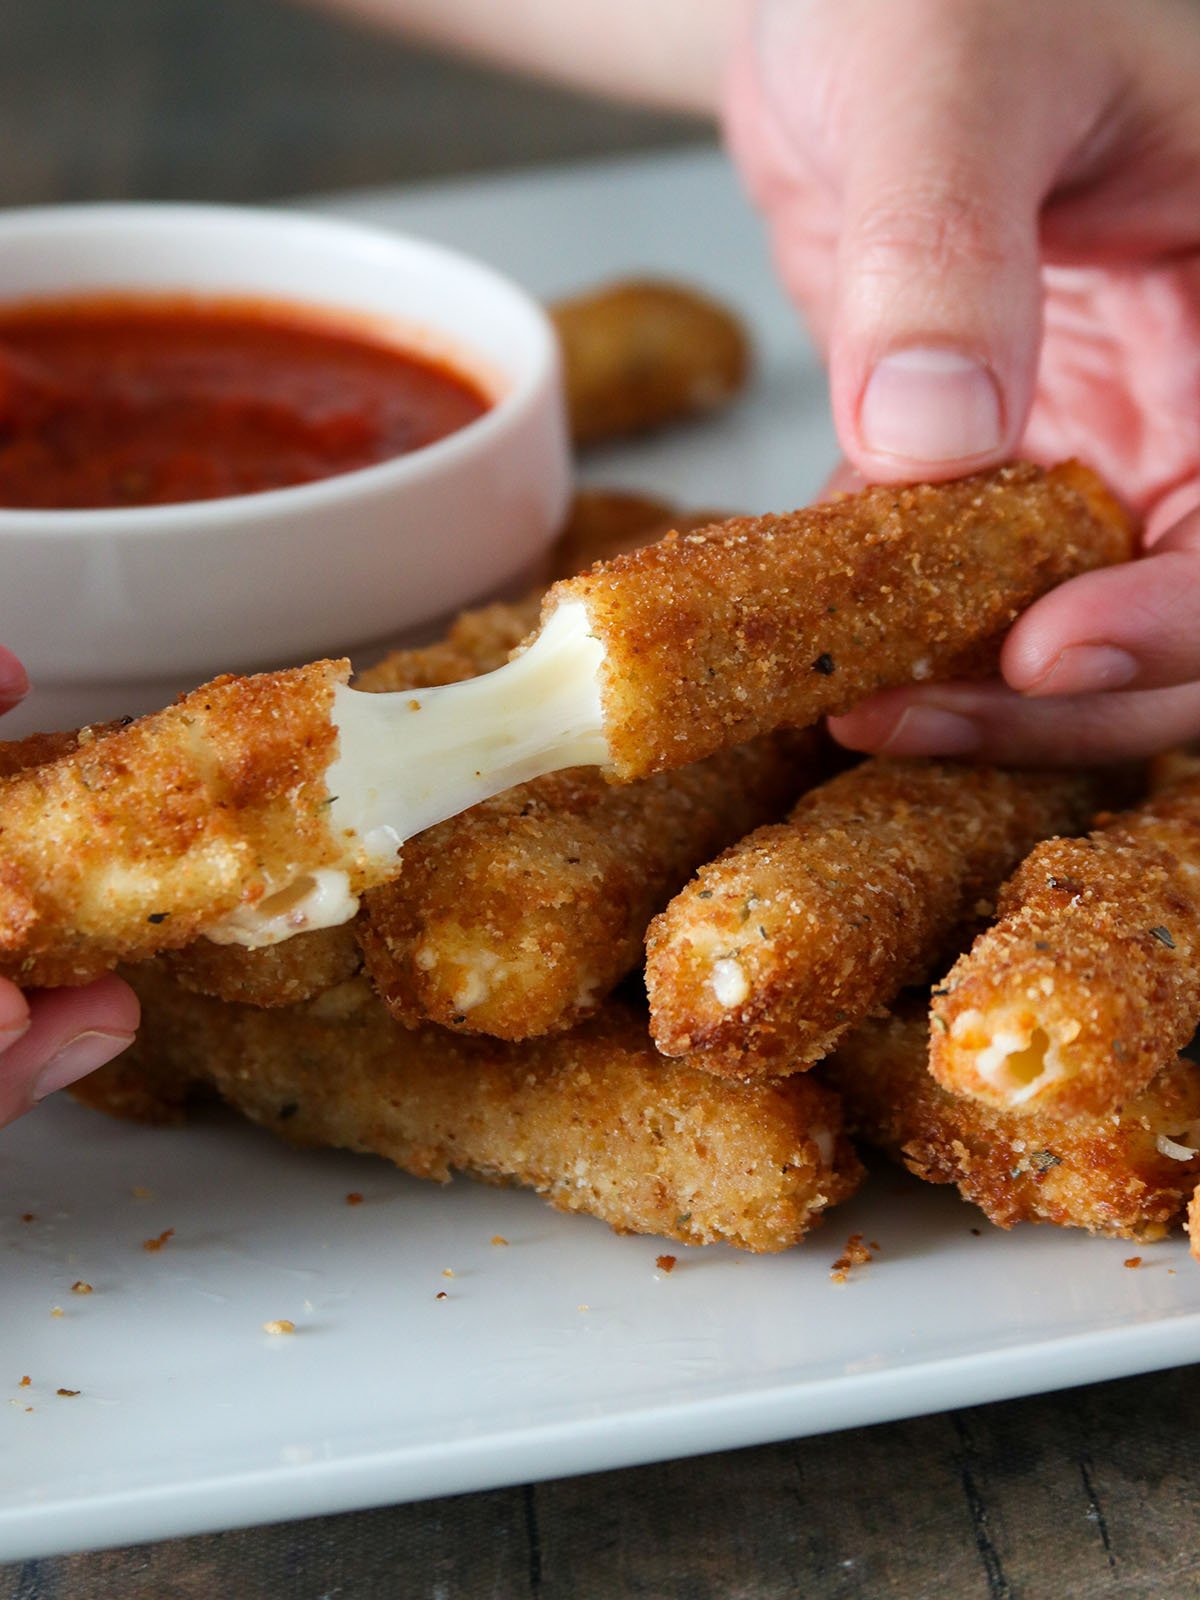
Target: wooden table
{"type": "Point", "coordinates": [1082, 1495]}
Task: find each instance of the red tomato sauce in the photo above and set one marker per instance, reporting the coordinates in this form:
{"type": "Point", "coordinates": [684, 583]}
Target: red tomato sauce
{"type": "Point", "coordinates": [127, 401]}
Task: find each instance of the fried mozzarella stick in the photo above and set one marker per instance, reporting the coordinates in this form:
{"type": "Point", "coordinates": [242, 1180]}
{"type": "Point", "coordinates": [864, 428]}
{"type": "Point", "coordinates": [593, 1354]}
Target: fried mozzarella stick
{"type": "Point", "coordinates": [519, 916]}
{"type": "Point", "coordinates": [1126, 1174]}
{"type": "Point", "coordinates": [643, 353]}
{"type": "Point", "coordinates": [783, 943]}
{"type": "Point", "coordinates": [1088, 983]}
{"type": "Point", "coordinates": [594, 1120]}
{"type": "Point", "coordinates": [257, 808]}
{"type": "Point", "coordinates": [706, 640]}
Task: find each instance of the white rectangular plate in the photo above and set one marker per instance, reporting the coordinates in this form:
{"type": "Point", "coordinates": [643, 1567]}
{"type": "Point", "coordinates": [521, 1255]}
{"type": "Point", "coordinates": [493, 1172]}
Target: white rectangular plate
{"type": "Point", "coordinates": [564, 1350]}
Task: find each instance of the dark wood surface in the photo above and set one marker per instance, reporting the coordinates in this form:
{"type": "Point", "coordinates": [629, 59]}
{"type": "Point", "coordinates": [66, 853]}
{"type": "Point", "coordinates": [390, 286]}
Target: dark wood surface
{"type": "Point", "coordinates": [1084, 1495]}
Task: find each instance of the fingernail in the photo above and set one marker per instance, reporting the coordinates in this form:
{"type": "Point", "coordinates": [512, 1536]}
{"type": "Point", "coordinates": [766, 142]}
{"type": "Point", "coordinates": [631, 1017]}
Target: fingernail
{"type": "Point", "coordinates": [927, 731]}
{"type": "Point", "coordinates": [1085, 669]}
{"type": "Point", "coordinates": [930, 405]}
{"type": "Point", "coordinates": [14, 681]}
{"type": "Point", "coordinates": [77, 1057]}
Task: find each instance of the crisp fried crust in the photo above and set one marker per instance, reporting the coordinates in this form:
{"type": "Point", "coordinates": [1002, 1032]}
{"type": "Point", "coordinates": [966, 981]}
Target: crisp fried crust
{"type": "Point", "coordinates": [274, 975]}
{"type": "Point", "coordinates": [1089, 982]}
{"type": "Point", "coordinates": [518, 917]}
{"type": "Point", "coordinates": [594, 1120]}
{"type": "Point", "coordinates": [644, 353]}
{"type": "Point", "coordinates": [1113, 1174]}
{"type": "Point", "coordinates": [716, 636]}
{"type": "Point", "coordinates": [777, 948]}
{"type": "Point", "coordinates": [139, 840]}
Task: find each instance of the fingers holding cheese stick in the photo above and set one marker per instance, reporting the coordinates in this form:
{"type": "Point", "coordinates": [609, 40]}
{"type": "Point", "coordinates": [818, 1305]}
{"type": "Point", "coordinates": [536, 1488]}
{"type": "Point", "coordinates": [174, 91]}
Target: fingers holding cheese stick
{"type": "Point", "coordinates": [258, 808]}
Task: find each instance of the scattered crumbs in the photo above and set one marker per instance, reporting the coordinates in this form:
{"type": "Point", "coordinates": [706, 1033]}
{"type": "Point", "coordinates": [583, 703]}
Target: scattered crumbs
{"type": "Point", "coordinates": [79, 1287]}
{"type": "Point", "coordinates": [354, 1198]}
{"type": "Point", "coordinates": [666, 1263]}
{"type": "Point", "coordinates": [1133, 1261]}
{"type": "Point", "coordinates": [140, 1192]}
{"type": "Point", "coordinates": [875, 1245]}
{"type": "Point", "coordinates": [25, 1382]}
{"type": "Point", "coordinates": [441, 1295]}
{"type": "Point", "coordinates": [978, 1232]}
{"type": "Point", "coordinates": [56, 1311]}
{"type": "Point", "coordinates": [28, 1408]}
{"type": "Point", "coordinates": [279, 1325]}
{"type": "Point", "coordinates": [28, 1216]}
{"type": "Point", "coordinates": [1170, 1272]}
{"type": "Point", "coordinates": [498, 1238]}
{"type": "Point", "coordinates": [68, 1393]}
{"type": "Point", "coordinates": [447, 1272]}
{"type": "Point", "coordinates": [158, 1243]}
{"type": "Point", "coordinates": [856, 1254]}
{"type": "Point", "coordinates": [584, 1307]}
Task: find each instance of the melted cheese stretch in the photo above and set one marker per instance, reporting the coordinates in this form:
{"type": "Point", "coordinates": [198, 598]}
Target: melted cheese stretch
{"type": "Point", "coordinates": [410, 759]}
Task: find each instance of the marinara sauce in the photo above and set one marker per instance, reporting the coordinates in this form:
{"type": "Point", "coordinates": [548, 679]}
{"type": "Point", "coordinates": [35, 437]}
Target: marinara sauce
{"type": "Point", "coordinates": [129, 401]}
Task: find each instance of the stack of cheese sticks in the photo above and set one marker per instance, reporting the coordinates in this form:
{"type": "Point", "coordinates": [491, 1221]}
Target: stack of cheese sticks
{"type": "Point", "coordinates": [466, 1005]}
{"type": "Point", "coordinates": [466, 1019]}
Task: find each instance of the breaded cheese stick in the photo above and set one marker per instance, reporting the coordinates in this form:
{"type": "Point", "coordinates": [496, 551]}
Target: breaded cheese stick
{"type": "Point", "coordinates": [1088, 983]}
{"type": "Point", "coordinates": [1127, 1174]}
{"type": "Point", "coordinates": [146, 836]}
{"type": "Point", "coordinates": [594, 1120]}
{"type": "Point", "coordinates": [258, 808]}
{"type": "Point", "coordinates": [718, 635]}
{"type": "Point", "coordinates": [642, 353]}
{"type": "Point", "coordinates": [519, 916]}
{"type": "Point", "coordinates": [802, 928]}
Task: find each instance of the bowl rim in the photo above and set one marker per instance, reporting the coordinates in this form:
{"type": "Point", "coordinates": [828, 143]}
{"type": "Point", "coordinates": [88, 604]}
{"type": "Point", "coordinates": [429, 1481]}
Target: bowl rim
{"type": "Point", "coordinates": [150, 521]}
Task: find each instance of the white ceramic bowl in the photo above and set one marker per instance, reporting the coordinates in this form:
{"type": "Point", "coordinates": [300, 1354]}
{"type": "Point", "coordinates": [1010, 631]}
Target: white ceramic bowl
{"type": "Point", "coordinates": [115, 611]}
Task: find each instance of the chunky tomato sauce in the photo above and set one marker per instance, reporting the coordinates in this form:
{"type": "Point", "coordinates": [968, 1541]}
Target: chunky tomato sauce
{"type": "Point", "coordinates": [126, 401]}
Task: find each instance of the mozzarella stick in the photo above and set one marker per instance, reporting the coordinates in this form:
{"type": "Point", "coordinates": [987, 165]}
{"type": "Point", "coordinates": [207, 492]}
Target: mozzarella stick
{"type": "Point", "coordinates": [641, 354]}
{"type": "Point", "coordinates": [711, 638]}
{"type": "Point", "coordinates": [593, 1120]}
{"type": "Point", "coordinates": [1127, 1173]}
{"type": "Point", "coordinates": [1088, 983]}
{"type": "Point", "coordinates": [258, 808]}
{"type": "Point", "coordinates": [519, 916]}
{"type": "Point", "coordinates": [784, 942]}
{"type": "Point", "coordinates": [147, 836]}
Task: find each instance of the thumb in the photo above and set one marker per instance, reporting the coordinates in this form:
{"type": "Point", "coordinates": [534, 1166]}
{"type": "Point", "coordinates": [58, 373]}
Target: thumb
{"type": "Point", "coordinates": [949, 147]}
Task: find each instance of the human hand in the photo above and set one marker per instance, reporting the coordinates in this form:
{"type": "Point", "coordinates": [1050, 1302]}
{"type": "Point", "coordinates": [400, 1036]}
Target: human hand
{"type": "Point", "coordinates": [49, 1038]}
{"type": "Point", "coordinates": [946, 183]}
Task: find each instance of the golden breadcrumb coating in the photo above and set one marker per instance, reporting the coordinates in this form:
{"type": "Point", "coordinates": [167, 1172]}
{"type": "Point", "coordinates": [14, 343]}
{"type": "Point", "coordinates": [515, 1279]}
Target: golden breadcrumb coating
{"type": "Point", "coordinates": [594, 1120]}
{"type": "Point", "coordinates": [716, 636]}
{"type": "Point", "coordinates": [36, 749]}
{"type": "Point", "coordinates": [1089, 981]}
{"type": "Point", "coordinates": [275, 974]}
{"type": "Point", "coordinates": [643, 353]}
{"type": "Point", "coordinates": [783, 943]}
{"type": "Point", "coordinates": [139, 840]}
{"type": "Point", "coordinates": [517, 917]}
{"type": "Point", "coordinates": [1127, 1173]}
